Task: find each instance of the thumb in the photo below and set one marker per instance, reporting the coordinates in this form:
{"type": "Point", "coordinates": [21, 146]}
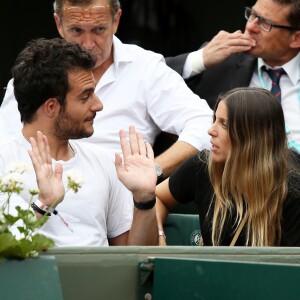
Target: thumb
{"type": "Point", "coordinates": [58, 171]}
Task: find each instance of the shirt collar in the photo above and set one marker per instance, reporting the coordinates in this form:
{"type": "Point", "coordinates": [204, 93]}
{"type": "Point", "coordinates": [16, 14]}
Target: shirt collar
{"type": "Point", "coordinates": [292, 68]}
{"type": "Point", "coordinates": [121, 55]}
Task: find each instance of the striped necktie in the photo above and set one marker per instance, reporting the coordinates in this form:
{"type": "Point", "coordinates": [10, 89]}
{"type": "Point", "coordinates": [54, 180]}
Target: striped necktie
{"type": "Point", "coordinates": [275, 75]}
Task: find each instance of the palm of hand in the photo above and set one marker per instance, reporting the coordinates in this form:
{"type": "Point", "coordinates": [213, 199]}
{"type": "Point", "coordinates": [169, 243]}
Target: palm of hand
{"type": "Point", "coordinates": [50, 184]}
{"type": "Point", "coordinates": [138, 173]}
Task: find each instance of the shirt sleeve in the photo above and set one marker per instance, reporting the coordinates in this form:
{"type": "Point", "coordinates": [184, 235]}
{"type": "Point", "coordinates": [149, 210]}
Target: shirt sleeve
{"type": "Point", "coordinates": [174, 107]}
{"type": "Point", "coordinates": [182, 183]}
{"type": "Point", "coordinates": [121, 208]}
{"type": "Point", "coordinates": [194, 64]}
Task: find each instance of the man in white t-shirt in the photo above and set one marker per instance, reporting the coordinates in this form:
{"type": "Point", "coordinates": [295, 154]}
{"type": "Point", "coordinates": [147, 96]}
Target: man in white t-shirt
{"type": "Point", "coordinates": [136, 87]}
{"type": "Point", "coordinates": [54, 87]}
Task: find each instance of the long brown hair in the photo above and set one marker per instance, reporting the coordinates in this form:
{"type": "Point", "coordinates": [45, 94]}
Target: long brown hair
{"type": "Point", "coordinates": [253, 179]}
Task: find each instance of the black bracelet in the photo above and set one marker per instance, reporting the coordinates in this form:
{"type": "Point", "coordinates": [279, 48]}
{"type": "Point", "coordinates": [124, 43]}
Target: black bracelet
{"type": "Point", "coordinates": [39, 210]}
{"type": "Point", "coordinates": [145, 205]}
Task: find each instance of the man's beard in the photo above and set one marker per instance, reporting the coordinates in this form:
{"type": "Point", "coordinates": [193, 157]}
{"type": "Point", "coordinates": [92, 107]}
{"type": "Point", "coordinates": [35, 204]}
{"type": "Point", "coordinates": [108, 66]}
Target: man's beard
{"type": "Point", "coordinates": [66, 127]}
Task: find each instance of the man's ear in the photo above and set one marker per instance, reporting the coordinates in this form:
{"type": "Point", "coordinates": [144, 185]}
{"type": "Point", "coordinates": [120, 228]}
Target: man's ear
{"type": "Point", "coordinates": [58, 25]}
{"type": "Point", "coordinates": [116, 20]}
{"type": "Point", "coordinates": [51, 107]}
{"type": "Point", "coordinates": [296, 40]}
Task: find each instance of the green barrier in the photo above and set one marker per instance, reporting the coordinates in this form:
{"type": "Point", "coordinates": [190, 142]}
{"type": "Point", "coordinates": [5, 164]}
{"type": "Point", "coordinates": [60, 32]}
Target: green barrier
{"type": "Point", "coordinates": [179, 279]}
{"type": "Point", "coordinates": [125, 272]}
{"type": "Point", "coordinates": [35, 278]}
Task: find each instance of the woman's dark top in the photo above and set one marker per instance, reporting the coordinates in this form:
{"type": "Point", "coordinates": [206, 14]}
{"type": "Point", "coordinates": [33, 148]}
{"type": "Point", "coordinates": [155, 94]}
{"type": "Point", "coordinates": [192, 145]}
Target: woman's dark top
{"type": "Point", "coordinates": [191, 183]}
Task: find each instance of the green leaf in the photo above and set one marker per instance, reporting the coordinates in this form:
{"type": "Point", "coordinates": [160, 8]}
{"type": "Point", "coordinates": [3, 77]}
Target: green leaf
{"type": "Point", "coordinates": [23, 230]}
{"type": "Point", "coordinates": [41, 242]}
{"type": "Point", "coordinates": [7, 240]}
{"type": "Point", "coordinates": [23, 213]}
{"type": "Point", "coordinates": [10, 220]}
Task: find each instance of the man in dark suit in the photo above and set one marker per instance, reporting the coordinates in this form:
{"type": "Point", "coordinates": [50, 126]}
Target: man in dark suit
{"type": "Point", "coordinates": [235, 71]}
{"type": "Point", "coordinates": [271, 40]}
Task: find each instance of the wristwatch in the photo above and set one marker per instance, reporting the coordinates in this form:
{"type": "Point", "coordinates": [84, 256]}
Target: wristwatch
{"type": "Point", "coordinates": [159, 172]}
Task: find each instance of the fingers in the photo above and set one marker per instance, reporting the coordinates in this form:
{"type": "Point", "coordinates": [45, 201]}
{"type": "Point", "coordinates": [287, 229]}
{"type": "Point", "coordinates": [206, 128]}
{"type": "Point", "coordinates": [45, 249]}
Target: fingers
{"type": "Point", "coordinates": [118, 164]}
{"type": "Point", "coordinates": [136, 144]}
{"type": "Point", "coordinates": [47, 149]}
{"type": "Point", "coordinates": [124, 144]}
{"type": "Point", "coordinates": [34, 154]}
{"type": "Point", "coordinates": [41, 146]}
{"type": "Point", "coordinates": [149, 150]}
{"type": "Point", "coordinates": [40, 152]}
{"type": "Point", "coordinates": [225, 44]}
{"type": "Point", "coordinates": [142, 145]}
{"type": "Point", "coordinates": [118, 160]}
{"type": "Point", "coordinates": [133, 139]}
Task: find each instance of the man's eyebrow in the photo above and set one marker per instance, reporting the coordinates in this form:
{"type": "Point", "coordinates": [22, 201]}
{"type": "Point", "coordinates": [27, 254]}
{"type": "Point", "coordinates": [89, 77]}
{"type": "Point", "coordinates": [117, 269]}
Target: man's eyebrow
{"type": "Point", "coordinates": [91, 89]}
{"type": "Point", "coordinates": [258, 15]}
{"type": "Point", "coordinates": [87, 90]}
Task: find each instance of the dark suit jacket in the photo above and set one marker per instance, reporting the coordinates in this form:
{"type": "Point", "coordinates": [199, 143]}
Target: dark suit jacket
{"type": "Point", "coordinates": [235, 71]}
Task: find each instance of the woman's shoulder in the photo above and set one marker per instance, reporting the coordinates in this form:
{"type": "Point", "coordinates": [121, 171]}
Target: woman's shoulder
{"type": "Point", "coordinates": [295, 159]}
{"type": "Point", "coordinates": [194, 168]}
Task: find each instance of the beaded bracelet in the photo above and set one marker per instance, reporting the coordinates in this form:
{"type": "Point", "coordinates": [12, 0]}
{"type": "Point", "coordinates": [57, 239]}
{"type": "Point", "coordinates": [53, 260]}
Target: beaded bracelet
{"type": "Point", "coordinates": [161, 233]}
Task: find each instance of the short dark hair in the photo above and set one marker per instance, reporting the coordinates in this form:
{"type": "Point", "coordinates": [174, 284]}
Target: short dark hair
{"type": "Point", "coordinates": [58, 5]}
{"type": "Point", "coordinates": [294, 16]}
{"type": "Point", "coordinates": [41, 72]}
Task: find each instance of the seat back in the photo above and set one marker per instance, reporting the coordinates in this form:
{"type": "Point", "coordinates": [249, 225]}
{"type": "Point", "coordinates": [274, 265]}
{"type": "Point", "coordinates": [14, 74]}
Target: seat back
{"type": "Point", "coordinates": [182, 230]}
{"type": "Point", "coordinates": [182, 278]}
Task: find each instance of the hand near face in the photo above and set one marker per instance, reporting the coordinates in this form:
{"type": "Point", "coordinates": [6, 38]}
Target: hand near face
{"type": "Point", "coordinates": [137, 169]}
{"type": "Point", "coordinates": [49, 181]}
{"type": "Point", "coordinates": [225, 44]}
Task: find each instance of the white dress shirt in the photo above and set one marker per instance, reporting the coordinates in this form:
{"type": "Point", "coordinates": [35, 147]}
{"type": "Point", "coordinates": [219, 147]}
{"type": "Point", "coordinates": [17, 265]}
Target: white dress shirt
{"type": "Point", "coordinates": [137, 89]}
{"type": "Point", "coordinates": [290, 91]}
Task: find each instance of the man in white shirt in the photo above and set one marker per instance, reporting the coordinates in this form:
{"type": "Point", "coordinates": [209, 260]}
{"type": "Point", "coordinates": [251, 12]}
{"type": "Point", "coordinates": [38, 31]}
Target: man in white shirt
{"type": "Point", "coordinates": [271, 40]}
{"type": "Point", "coordinates": [135, 86]}
{"type": "Point", "coordinates": [54, 87]}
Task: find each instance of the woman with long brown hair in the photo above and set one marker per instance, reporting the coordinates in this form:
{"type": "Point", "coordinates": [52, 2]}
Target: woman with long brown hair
{"type": "Point", "coordinates": [247, 187]}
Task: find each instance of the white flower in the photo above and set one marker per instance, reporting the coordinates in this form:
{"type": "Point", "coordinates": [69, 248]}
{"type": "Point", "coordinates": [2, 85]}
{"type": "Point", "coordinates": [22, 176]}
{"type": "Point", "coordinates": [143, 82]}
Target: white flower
{"type": "Point", "coordinates": [2, 220]}
{"type": "Point", "coordinates": [75, 179]}
{"type": "Point", "coordinates": [18, 167]}
{"type": "Point", "coordinates": [12, 182]}
{"type": "Point", "coordinates": [30, 219]}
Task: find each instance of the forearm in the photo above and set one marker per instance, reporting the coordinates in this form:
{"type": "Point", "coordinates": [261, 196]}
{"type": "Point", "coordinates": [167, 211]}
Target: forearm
{"type": "Point", "coordinates": [161, 213]}
{"type": "Point", "coordinates": [144, 228]}
{"type": "Point", "coordinates": [173, 157]}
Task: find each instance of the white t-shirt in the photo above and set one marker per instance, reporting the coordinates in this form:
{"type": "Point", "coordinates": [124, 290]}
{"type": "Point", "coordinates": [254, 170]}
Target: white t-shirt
{"type": "Point", "coordinates": [102, 208]}
{"type": "Point", "coordinates": [137, 89]}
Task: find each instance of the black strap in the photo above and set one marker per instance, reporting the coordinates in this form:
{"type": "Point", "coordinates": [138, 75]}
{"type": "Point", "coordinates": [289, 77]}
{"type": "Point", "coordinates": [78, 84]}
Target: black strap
{"type": "Point", "coordinates": [145, 205]}
{"type": "Point", "coordinates": [39, 210]}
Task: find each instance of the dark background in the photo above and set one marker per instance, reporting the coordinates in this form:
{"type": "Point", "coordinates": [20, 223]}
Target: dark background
{"type": "Point", "coordinates": [170, 27]}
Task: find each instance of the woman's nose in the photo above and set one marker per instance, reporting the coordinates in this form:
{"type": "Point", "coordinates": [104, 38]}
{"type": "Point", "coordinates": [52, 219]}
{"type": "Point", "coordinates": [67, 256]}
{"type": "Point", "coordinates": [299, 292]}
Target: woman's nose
{"type": "Point", "coordinates": [212, 131]}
